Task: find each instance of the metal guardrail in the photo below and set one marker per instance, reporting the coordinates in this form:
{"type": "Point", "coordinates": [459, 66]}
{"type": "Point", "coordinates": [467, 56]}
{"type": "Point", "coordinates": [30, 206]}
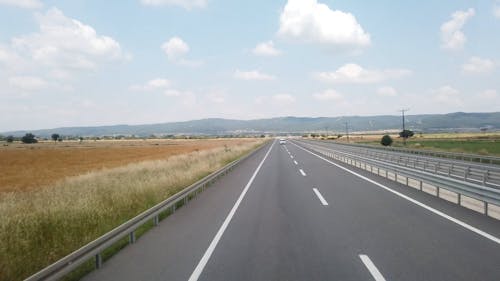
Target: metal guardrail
{"type": "Point", "coordinates": [482, 193]}
{"type": "Point", "coordinates": [487, 175]}
{"type": "Point", "coordinates": [441, 154]}
{"type": "Point", "coordinates": [94, 249]}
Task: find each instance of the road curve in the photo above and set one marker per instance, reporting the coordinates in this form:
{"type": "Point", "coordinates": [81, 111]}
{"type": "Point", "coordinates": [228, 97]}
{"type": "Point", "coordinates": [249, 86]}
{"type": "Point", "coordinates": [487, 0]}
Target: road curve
{"type": "Point", "coordinates": [286, 214]}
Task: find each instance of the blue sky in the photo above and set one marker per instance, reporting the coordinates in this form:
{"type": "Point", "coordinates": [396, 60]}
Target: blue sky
{"type": "Point", "coordinates": [77, 63]}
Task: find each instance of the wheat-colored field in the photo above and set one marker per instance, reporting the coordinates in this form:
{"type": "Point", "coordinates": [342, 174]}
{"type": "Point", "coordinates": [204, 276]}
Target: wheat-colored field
{"type": "Point", "coordinates": [40, 225]}
{"type": "Point", "coordinates": [32, 166]}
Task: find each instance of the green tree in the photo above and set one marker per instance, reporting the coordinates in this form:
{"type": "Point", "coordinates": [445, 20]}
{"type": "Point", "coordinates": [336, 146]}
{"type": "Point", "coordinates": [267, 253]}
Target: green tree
{"type": "Point", "coordinates": [406, 134]}
{"type": "Point", "coordinates": [9, 138]}
{"type": "Point", "coordinates": [29, 138]}
{"type": "Point", "coordinates": [386, 140]}
{"type": "Point", "coordinates": [55, 137]}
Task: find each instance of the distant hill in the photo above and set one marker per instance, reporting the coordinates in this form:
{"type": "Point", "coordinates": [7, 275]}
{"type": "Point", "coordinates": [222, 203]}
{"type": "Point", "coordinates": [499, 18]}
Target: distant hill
{"type": "Point", "coordinates": [458, 121]}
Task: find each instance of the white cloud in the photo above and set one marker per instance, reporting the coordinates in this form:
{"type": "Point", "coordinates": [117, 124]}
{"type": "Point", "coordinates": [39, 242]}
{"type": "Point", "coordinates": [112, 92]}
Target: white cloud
{"type": "Point", "coordinates": [172, 93]}
{"type": "Point", "coordinates": [447, 95]}
{"type": "Point", "coordinates": [164, 86]}
{"type": "Point", "coordinates": [252, 75]}
{"type": "Point", "coordinates": [187, 4]}
{"type": "Point", "coordinates": [175, 48]}
{"type": "Point", "coordinates": [26, 4]}
{"type": "Point", "coordinates": [216, 98]}
{"type": "Point", "coordinates": [452, 37]}
{"type": "Point", "coordinates": [313, 22]}
{"type": "Point", "coordinates": [266, 49]}
{"type": "Point", "coordinates": [488, 94]}
{"type": "Point", "coordinates": [65, 43]}
{"type": "Point", "coordinates": [283, 98]}
{"type": "Point", "coordinates": [329, 95]}
{"type": "Point", "coordinates": [387, 91]}
{"type": "Point", "coordinates": [152, 85]}
{"type": "Point", "coordinates": [496, 10]}
{"type": "Point", "coordinates": [28, 83]}
{"type": "Point", "coordinates": [353, 73]}
{"type": "Point", "coordinates": [478, 65]}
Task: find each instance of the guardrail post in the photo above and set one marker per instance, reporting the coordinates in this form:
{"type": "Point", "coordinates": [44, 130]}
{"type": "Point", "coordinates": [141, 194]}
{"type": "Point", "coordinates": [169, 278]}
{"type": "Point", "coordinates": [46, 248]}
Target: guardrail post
{"type": "Point", "coordinates": [437, 191]}
{"type": "Point", "coordinates": [420, 185]}
{"type": "Point", "coordinates": [98, 261]}
{"type": "Point", "coordinates": [156, 220]}
{"type": "Point", "coordinates": [131, 237]}
{"type": "Point", "coordinates": [486, 208]}
{"type": "Point", "coordinates": [459, 199]}
{"type": "Point", "coordinates": [449, 169]}
{"type": "Point", "coordinates": [466, 173]}
{"type": "Point", "coordinates": [485, 176]}
{"type": "Point", "coordinates": [406, 180]}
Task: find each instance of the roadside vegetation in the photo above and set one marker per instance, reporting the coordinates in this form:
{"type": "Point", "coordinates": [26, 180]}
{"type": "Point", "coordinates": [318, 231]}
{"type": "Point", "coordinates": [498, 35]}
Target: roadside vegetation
{"type": "Point", "coordinates": [37, 227]}
{"type": "Point", "coordinates": [473, 143]}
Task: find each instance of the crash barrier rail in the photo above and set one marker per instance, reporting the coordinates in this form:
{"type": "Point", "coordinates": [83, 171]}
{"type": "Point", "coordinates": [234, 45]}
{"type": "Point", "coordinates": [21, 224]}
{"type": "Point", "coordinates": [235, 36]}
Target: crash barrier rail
{"type": "Point", "coordinates": [484, 194]}
{"type": "Point", "coordinates": [487, 175]}
{"type": "Point", "coordinates": [440, 154]}
{"type": "Point", "coordinates": [94, 249]}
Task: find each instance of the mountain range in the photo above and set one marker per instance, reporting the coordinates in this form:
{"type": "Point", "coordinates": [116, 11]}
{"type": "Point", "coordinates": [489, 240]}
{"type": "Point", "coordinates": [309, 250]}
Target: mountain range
{"type": "Point", "coordinates": [458, 121]}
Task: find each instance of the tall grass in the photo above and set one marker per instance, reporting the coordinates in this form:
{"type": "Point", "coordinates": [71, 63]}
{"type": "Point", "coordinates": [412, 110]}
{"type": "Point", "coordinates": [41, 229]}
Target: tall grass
{"type": "Point", "coordinates": [39, 227]}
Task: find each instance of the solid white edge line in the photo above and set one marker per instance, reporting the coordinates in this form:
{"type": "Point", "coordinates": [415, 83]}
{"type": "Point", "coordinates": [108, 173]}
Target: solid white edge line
{"type": "Point", "coordinates": [206, 256]}
{"type": "Point", "coordinates": [321, 198]}
{"type": "Point", "coordinates": [372, 268]}
{"type": "Point", "coordinates": [291, 156]}
{"type": "Point", "coordinates": [302, 172]}
{"type": "Point", "coordinates": [439, 213]}
{"type": "Point", "coordinates": [295, 162]}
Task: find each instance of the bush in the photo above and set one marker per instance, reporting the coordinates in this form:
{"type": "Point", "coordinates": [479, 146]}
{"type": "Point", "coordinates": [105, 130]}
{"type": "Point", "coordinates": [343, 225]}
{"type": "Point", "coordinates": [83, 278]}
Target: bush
{"type": "Point", "coordinates": [29, 138]}
{"type": "Point", "coordinates": [386, 140]}
{"type": "Point", "coordinates": [406, 134]}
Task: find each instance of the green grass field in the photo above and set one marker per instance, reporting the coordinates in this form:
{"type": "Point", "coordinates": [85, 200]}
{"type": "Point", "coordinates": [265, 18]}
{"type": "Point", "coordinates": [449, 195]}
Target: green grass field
{"type": "Point", "coordinates": [482, 147]}
{"type": "Point", "coordinates": [472, 146]}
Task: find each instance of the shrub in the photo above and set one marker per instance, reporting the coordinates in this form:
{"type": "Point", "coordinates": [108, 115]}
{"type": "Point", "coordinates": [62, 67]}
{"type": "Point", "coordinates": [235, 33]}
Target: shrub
{"type": "Point", "coordinates": [406, 134]}
{"type": "Point", "coordinates": [29, 138]}
{"type": "Point", "coordinates": [386, 140]}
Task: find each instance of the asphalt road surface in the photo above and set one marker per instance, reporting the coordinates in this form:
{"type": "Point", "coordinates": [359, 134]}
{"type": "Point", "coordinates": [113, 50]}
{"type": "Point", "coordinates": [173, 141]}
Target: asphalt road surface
{"type": "Point", "coordinates": [288, 214]}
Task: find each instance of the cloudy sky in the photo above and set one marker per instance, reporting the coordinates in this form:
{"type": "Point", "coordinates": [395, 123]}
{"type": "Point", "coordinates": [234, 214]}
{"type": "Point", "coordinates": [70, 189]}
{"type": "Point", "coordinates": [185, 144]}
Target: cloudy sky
{"type": "Point", "coordinates": [83, 62]}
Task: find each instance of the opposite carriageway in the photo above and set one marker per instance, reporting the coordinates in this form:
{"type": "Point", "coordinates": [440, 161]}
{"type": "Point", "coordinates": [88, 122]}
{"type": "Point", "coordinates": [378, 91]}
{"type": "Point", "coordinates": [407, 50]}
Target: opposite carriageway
{"type": "Point", "coordinates": [481, 173]}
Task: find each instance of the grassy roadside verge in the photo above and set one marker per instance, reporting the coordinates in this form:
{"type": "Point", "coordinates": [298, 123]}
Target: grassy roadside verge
{"type": "Point", "coordinates": [481, 147]}
{"type": "Point", "coordinates": [39, 227]}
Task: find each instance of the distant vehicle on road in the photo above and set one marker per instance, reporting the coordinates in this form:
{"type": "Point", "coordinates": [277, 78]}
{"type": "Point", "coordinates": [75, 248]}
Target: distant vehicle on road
{"type": "Point", "coordinates": [282, 141]}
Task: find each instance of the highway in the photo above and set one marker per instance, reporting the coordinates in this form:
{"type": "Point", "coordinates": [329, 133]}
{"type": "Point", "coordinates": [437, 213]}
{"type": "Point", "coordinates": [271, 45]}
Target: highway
{"type": "Point", "coordinates": [288, 214]}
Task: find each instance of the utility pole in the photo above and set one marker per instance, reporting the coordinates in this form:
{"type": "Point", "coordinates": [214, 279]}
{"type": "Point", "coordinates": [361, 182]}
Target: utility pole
{"type": "Point", "coordinates": [347, 131]}
{"type": "Point", "coordinates": [403, 116]}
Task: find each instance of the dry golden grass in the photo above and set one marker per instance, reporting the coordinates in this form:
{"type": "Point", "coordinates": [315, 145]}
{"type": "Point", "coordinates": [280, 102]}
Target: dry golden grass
{"type": "Point", "coordinates": [37, 227]}
{"type": "Point", "coordinates": [26, 167]}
